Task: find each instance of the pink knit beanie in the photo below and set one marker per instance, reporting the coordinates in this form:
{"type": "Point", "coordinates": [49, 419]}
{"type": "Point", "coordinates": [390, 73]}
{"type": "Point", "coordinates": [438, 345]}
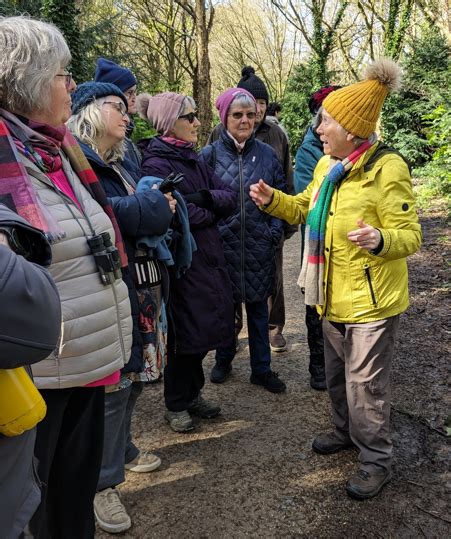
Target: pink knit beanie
{"type": "Point", "coordinates": [160, 110]}
{"type": "Point", "coordinates": [224, 101]}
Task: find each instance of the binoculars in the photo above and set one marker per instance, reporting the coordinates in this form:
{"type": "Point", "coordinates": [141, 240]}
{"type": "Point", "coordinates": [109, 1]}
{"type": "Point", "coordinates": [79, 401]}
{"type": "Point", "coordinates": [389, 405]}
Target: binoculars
{"type": "Point", "coordinates": [106, 256]}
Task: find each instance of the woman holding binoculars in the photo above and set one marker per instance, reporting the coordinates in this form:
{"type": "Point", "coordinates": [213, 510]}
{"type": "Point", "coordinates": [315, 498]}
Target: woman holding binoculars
{"type": "Point", "coordinates": [47, 180]}
{"type": "Point", "coordinates": [200, 308]}
{"type": "Point", "coordinates": [100, 122]}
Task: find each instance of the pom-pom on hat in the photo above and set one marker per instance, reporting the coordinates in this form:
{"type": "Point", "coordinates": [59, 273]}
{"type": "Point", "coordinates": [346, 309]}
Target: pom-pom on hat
{"type": "Point", "coordinates": [90, 91]}
{"type": "Point", "coordinates": [160, 110]}
{"type": "Point", "coordinates": [224, 101]}
{"type": "Point", "coordinates": [253, 84]}
{"type": "Point", "coordinates": [108, 71]}
{"type": "Point", "coordinates": [357, 107]}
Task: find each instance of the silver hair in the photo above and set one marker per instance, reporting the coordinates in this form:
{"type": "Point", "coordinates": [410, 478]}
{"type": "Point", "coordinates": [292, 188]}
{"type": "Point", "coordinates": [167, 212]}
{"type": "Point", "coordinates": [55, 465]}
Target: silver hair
{"type": "Point", "coordinates": [187, 103]}
{"type": "Point", "coordinates": [88, 126]}
{"type": "Point", "coordinates": [358, 141]}
{"type": "Point", "coordinates": [317, 118]}
{"type": "Point", "coordinates": [243, 100]}
{"type": "Point", "coordinates": [32, 53]}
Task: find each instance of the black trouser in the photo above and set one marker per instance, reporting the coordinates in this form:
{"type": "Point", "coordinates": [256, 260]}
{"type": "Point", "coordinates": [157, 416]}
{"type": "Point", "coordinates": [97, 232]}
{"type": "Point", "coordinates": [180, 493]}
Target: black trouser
{"type": "Point", "coordinates": [69, 447]}
{"type": "Point", "coordinates": [315, 340]}
{"type": "Point", "coordinates": [276, 302]}
{"type": "Point", "coordinates": [183, 380]}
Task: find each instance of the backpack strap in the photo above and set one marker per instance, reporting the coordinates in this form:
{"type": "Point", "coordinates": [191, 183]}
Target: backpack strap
{"type": "Point", "coordinates": [211, 156]}
{"type": "Point", "coordinates": [381, 150]}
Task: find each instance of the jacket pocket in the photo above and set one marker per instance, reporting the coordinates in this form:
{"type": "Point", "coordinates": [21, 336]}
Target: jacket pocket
{"type": "Point", "coordinates": [370, 281]}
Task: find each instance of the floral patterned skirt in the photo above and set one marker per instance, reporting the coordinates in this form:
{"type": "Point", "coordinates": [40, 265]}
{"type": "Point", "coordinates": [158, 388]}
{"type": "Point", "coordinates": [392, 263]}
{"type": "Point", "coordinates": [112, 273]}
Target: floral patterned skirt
{"type": "Point", "coordinates": [153, 326]}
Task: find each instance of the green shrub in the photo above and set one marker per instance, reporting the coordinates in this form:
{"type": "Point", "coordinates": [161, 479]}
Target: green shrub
{"type": "Point", "coordinates": [435, 176]}
{"type": "Point", "coordinates": [406, 116]}
{"type": "Point", "coordinates": [296, 116]}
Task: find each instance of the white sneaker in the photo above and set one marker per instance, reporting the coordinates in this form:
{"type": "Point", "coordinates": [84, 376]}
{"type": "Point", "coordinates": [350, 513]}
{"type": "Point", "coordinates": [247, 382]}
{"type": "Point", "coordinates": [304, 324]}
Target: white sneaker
{"type": "Point", "coordinates": [144, 462]}
{"type": "Point", "coordinates": [110, 513]}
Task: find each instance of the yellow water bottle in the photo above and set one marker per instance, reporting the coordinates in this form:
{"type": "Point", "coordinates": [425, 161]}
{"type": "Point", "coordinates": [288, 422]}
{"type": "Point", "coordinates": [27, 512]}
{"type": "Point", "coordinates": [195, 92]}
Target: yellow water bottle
{"type": "Point", "coordinates": [21, 404]}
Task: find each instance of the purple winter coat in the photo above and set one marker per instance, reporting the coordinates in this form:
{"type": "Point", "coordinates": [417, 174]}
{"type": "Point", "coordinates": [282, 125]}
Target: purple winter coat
{"type": "Point", "coordinates": [200, 302]}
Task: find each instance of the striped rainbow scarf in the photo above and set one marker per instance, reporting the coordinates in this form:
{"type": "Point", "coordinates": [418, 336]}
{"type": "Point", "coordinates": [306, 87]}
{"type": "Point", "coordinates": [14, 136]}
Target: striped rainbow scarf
{"type": "Point", "coordinates": [312, 273]}
{"type": "Point", "coordinates": [17, 192]}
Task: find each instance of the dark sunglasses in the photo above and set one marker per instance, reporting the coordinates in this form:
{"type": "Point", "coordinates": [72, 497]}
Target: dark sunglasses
{"type": "Point", "coordinates": [239, 115]}
{"type": "Point", "coordinates": [191, 116]}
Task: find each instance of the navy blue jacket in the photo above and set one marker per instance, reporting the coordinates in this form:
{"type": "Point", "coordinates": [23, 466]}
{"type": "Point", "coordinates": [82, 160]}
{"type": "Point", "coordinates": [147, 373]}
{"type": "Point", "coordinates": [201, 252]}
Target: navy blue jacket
{"type": "Point", "coordinates": [250, 236]}
{"type": "Point", "coordinates": [201, 306]}
{"type": "Point", "coordinates": [137, 215]}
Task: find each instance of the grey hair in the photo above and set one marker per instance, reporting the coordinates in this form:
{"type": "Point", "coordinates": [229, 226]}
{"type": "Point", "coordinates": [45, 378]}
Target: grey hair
{"type": "Point", "coordinates": [317, 118]}
{"type": "Point", "coordinates": [88, 126]}
{"type": "Point", "coordinates": [187, 103]}
{"type": "Point", "coordinates": [32, 53]}
{"type": "Point", "coordinates": [243, 100]}
{"type": "Point", "coordinates": [357, 141]}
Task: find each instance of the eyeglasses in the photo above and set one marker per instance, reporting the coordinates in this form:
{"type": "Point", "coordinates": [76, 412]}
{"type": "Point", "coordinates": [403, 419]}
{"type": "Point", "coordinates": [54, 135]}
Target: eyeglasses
{"type": "Point", "coordinates": [191, 116]}
{"type": "Point", "coordinates": [238, 115]}
{"type": "Point", "coordinates": [130, 93]}
{"type": "Point", "coordinates": [118, 105]}
{"type": "Point", "coordinates": [68, 80]}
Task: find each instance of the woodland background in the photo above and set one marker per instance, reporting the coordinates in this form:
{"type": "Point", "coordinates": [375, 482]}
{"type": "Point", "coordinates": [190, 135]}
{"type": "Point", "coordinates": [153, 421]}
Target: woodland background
{"type": "Point", "coordinates": [199, 47]}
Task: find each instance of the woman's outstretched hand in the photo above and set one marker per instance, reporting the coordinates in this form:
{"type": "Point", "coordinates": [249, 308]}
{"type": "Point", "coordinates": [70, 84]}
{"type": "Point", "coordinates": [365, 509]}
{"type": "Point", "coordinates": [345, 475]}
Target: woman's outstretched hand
{"type": "Point", "coordinates": [365, 237]}
{"type": "Point", "coordinates": [261, 193]}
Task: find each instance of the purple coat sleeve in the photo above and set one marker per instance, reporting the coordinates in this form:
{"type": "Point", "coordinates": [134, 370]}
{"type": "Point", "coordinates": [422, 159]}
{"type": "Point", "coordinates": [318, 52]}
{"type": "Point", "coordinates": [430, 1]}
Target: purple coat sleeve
{"type": "Point", "coordinates": [198, 217]}
{"type": "Point", "coordinates": [224, 197]}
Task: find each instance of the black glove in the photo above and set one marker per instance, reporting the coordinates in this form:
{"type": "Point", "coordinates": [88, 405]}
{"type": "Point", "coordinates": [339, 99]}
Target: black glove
{"type": "Point", "coordinates": [202, 199]}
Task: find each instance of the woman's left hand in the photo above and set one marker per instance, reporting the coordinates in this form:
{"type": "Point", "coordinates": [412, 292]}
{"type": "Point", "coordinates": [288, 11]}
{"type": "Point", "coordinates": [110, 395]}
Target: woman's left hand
{"type": "Point", "coordinates": [172, 201]}
{"type": "Point", "coordinates": [365, 237]}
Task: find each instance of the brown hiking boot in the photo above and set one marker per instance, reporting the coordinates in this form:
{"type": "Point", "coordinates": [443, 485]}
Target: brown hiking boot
{"type": "Point", "coordinates": [365, 484]}
{"type": "Point", "coordinates": [327, 443]}
{"type": "Point", "coordinates": [277, 341]}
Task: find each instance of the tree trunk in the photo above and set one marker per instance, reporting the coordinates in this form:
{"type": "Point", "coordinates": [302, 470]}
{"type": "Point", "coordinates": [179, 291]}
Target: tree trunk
{"type": "Point", "coordinates": [203, 82]}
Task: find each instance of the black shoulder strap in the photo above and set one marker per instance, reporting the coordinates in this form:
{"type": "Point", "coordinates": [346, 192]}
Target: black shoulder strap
{"type": "Point", "coordinates": [212, 157]}
{"type": "Point", "coordinates": [382, 150]}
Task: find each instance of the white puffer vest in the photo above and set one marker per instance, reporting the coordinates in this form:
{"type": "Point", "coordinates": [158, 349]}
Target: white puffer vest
{"type": "Point", "coordinates": [96, 335]}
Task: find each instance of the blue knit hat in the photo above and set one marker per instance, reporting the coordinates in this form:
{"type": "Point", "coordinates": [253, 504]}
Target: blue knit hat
{"type": "Point", "coordinates": [108, 71]}
{"type": "Point", "coordinates": [90, 91]}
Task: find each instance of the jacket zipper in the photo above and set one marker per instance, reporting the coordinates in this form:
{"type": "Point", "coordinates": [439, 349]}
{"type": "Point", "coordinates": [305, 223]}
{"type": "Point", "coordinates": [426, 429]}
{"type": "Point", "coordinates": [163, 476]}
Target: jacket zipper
{"type": "Point", "coordinates": [243, 226]}
{"type": "Point", "coordinates": [370, 283]}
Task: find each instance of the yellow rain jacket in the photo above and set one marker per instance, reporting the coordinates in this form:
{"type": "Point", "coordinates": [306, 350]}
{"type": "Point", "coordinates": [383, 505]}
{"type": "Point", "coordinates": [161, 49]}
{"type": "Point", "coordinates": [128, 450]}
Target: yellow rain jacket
{"type": "Point", "coordinates": [358, 286]}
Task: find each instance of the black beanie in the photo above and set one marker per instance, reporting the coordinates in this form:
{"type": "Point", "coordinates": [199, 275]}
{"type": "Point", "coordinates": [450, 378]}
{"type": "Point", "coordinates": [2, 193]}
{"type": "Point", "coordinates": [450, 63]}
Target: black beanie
{"type": "Point", "coordinates": [253, 84]}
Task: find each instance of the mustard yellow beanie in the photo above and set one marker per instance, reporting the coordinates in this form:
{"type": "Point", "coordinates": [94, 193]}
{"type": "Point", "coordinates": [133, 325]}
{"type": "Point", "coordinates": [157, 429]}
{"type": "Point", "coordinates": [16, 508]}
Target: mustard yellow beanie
{"type": "Point", "coordinates": [357, 107]}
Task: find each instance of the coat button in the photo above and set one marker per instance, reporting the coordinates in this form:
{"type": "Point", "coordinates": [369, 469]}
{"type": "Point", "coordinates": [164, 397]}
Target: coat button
{"type": "Point", "coordinates": [327, 249]}
{"type": "Point", "coordinates": [331, 213]}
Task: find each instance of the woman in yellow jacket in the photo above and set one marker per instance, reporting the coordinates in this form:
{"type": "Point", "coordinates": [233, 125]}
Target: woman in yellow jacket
{"type": "Point", "coordinates": [361, 226]}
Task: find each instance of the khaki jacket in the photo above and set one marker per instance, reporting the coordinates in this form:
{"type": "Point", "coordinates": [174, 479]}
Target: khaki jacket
{"type": "Point", "coordinates": [358, 286]}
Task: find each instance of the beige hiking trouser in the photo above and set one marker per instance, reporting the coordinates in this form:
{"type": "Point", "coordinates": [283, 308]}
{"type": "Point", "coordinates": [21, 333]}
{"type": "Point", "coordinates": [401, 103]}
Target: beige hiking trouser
{"type": "Point", "coordinates": [358, 365]}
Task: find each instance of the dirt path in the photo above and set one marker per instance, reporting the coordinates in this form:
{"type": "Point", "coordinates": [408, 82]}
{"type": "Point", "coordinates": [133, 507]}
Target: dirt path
{"type": "Point", "coordinates": [251, 472]}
